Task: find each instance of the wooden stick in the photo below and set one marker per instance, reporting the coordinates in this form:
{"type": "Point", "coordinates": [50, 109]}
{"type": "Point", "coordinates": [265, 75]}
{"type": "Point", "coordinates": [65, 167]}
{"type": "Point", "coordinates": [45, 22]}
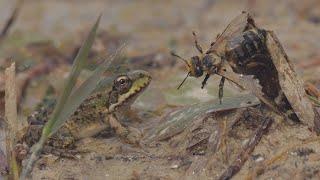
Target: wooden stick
{"type": "Point", "coordinates": [247, 150]}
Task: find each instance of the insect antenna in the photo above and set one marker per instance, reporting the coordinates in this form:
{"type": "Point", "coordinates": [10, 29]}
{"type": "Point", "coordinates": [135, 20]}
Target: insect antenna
{"type": "Point", "coordinates": [179, 57]}
{"type": "Point", "coordinates": [183, 80]}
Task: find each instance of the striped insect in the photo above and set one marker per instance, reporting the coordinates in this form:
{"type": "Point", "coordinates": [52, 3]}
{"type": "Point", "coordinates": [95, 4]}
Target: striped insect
{"type": "Point", "coordinates": [243, 47]}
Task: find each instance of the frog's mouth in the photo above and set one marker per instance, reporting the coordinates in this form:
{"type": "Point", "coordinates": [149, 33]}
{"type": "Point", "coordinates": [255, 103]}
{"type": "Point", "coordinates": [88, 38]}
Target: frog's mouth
{"type": "Point", "coordinates": [140, 81]}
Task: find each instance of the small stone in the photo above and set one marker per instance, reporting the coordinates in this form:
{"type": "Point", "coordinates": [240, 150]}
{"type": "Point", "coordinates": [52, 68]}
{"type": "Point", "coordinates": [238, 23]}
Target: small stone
{"type": "Point", "coordinates": [175, 166]}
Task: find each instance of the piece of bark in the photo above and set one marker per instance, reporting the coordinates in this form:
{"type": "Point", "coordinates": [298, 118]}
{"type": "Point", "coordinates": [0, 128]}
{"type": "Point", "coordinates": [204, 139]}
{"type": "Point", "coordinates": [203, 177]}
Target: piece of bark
{"type": "Point", "coordinates": [290, 83]}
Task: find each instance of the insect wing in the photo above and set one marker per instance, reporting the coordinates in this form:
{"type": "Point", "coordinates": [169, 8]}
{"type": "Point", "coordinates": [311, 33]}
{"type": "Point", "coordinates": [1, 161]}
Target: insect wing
{"type": "Point", "coordinates": [234, 28]}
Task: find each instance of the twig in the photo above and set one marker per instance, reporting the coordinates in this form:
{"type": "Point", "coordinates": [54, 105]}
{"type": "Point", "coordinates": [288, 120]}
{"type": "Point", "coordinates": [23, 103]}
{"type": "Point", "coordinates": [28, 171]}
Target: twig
{"type": "Point", "coordinates": [247, 150]}
{"type": "Point", "coordinates": [11, 19]}
{"type": "Point", "coordinates": [11, 119]}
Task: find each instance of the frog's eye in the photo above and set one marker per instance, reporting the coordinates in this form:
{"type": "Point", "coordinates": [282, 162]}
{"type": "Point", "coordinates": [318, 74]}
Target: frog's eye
{"type": "Point", "coordinates": [122, 84]}
{"type": "Point", "coordinates": [122, 81]}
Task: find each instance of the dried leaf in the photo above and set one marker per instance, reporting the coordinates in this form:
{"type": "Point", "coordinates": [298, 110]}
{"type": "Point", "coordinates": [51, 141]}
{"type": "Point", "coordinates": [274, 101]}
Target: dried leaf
{"type": "Point", "coordinates": [290, 83]}
{"type": "Point", "coordinates": [177, 121]}
{"type": "Point", "coordinates": [247, 82]}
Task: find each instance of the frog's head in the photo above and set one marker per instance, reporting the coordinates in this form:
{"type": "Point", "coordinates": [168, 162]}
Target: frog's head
{"type": "Point", "coordinates": [127, 87]}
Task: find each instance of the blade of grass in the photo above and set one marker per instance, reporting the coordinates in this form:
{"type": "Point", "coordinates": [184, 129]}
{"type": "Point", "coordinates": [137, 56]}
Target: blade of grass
{"type": "Point", "coordinates": [86, 88]}
{"type": "Point", "coordinates": [74, 74]}
{"type": "Point", "coordinates": [105, 83]}
{"type": "Point", "coordinates": [11, 19]}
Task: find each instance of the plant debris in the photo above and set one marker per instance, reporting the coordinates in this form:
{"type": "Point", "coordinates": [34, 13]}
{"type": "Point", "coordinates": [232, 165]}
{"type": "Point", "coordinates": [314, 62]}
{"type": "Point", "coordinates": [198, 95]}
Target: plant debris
{"type": "Point", "coordinates": [291, 85]}
{"type": "Point", "coordinates": [187, 133]}
{"type": "Point", "coordinates": [237, 164]}
{"type": "Point", "coordinates": [12, 123]}
{"type": "Point", "coordinates": [178, 120]}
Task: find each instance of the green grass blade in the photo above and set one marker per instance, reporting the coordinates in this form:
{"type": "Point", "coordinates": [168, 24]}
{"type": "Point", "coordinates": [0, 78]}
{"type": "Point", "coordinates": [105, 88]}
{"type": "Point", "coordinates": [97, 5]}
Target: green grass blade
{"type": "Point", "coordinates": [86, 88]}
{"type": "Point", "coordinates": [77, 66]}
{"type": "Point", "coordinates": [105, 84]}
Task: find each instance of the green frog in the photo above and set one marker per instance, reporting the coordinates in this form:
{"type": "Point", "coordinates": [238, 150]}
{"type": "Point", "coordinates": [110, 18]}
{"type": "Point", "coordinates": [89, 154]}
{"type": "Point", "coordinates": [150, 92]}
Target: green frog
{"type": "Point", "coordinates": [100, 111]}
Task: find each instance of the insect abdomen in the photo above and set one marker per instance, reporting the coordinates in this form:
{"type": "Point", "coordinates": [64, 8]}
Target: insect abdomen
{"type": "Point", "coordinates": [248, 54]}
{"type": "Point", "coordinates": [242, 49]}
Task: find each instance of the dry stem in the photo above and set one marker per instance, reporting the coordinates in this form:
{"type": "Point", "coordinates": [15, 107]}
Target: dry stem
{"type": "Point", "coordinates": [11, 119]}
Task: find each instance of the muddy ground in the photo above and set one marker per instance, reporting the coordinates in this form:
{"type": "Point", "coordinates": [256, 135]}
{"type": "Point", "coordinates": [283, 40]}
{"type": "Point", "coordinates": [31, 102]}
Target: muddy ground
{"type": "Point", "coordinates": [151, 29]}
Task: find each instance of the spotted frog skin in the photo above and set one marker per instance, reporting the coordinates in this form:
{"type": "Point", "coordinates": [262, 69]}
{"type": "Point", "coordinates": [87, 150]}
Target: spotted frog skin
{"type": "Point", "coordinates": [100, 111]}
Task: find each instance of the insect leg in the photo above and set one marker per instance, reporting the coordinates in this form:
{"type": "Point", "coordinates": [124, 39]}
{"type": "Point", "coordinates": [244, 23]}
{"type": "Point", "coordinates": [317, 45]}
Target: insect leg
{"type": "Point", "coordinates": [221, 89]}
{"type": "Point", "coordinates": [204, 82]}
{"type": "Point", "coordinates": [199, 48]}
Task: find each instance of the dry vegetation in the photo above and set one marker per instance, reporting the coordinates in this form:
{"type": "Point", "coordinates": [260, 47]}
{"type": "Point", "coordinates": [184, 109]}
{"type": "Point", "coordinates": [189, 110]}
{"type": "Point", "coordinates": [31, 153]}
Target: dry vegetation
{"type": "Point", "coordinates": [184, 137]}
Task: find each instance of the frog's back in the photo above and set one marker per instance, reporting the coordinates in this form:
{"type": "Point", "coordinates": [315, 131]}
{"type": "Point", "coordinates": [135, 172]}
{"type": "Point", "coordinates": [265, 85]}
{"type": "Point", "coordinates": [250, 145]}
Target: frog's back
{"type": "Point", "coordinates": [85, 121]}
{"type": "Point", "coordinates": [88, 119]}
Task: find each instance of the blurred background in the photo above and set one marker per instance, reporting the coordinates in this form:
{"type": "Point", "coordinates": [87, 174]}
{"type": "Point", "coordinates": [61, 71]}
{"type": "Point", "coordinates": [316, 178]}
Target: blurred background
{"type": "Point", "coordinates": [54, 29]}
{"type": "Point", "coordinates": [46, 34]}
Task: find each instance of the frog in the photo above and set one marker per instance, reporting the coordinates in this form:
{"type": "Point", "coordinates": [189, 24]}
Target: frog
{"type": "Point", "coordinates": [102, 110]}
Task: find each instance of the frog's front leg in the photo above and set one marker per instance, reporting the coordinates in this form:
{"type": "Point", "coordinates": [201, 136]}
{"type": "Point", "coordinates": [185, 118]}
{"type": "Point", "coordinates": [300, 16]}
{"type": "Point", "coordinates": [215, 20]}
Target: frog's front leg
{"type": "Point", "coordinates": [130, 134]}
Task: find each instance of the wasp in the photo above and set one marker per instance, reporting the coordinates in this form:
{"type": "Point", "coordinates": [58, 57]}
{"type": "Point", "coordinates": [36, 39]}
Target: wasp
{"type": "Point", "coordinates": [237, 45]}
{"type": "Point", "coordinates": [243, 46]}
